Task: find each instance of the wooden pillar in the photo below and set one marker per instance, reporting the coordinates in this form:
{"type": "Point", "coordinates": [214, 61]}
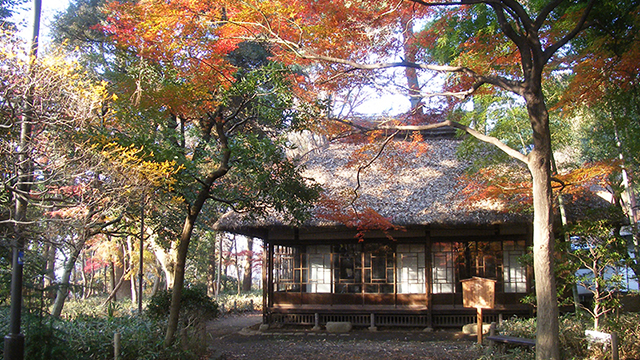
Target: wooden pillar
{"type": "Point", "coordinates": [429, 280]}
{"type": "Point", "coordinates": [479, 328]}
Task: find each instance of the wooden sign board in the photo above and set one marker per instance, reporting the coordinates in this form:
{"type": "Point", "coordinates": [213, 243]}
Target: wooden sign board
{"type": "Point", "coordinates": [479, 293]}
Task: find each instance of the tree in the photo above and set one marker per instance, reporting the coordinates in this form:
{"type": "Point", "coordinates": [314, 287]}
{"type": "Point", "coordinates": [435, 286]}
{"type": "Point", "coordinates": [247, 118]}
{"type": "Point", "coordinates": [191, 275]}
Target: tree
{"type": "Point", "coordinates": [222, 118]}
{"type": "Point", "coordinates": [527, 30]}
{"type": "Point", "coordinates": [598, 248]}
{"type": "Point", "coordinates": [608, 104]}
{"type": "Point", "coordinates": [248, 266]}
{"type": "Point", "coordinates": [45, 100]}
{"type": "Point", "coordinates": [505, 44]}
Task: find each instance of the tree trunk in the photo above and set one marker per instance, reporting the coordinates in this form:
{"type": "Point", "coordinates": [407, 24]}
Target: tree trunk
{"type": "Point", "coordinates": [156, 286]}
{"type": "Point", "coordinates": [547, 334]}
{"type": "Point", "coordinates": [132, 283]}
{"type": "Point", "coordinates": [167, 260]}
{"type": "Point", "coordinates": [178, 276]}
{"type": "Point", "coordinates": [630, 204]}
{"type": "Point", "coordinates": [237, 264]}
{"type": "Point", "coordinates": [219, 272]}
{"type": "Point", "coordinates": [211, 271]}
{"type": "Point", "coordinates": [248, 267]}
{"type": "Point", "coordinates": [83, 275]}
{"type": "Point", "coordinates": [49, 273]}
{"type": "Point", "coordinates": [189, 223]}
{"type": "Point", "coordinates": [113, 289]}
{"type": "Point", "coordinates": [63, 286]}
{"type": "Point", "coordinates": [411, 73]}
{"type": "Point", "coordinates": [117, 286]}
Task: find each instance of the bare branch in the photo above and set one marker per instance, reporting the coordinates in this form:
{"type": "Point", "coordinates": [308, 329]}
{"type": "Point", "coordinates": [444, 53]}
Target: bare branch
{"type": "Point", "coordinates": [361, 168]}
{"type": "Point", "coordinates": [482, 137]}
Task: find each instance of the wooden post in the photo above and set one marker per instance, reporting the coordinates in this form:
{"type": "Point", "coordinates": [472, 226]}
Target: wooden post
{"type": "Point", "coordinates": [116, 345]}
{"type": "Point", "coordinates": [614, 346]}
{"type": "Point", "coordinates": [479, 329]}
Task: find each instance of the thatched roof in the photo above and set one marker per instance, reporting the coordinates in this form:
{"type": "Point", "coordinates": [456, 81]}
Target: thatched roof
{"type": "Point", "coordinates": [409, 187]}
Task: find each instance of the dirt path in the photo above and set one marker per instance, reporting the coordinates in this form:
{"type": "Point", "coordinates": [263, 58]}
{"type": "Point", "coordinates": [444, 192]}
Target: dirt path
{"type": "Point", "coordinates": [236, 337]}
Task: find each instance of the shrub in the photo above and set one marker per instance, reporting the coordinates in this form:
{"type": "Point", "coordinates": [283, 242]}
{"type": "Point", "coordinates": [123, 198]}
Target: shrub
{"type": "Point", "coordinates": [89, 337]}
{"type": "Point", "coordinates": [573, 342]}
{"type": "Point", "coordinates": [194, 302]}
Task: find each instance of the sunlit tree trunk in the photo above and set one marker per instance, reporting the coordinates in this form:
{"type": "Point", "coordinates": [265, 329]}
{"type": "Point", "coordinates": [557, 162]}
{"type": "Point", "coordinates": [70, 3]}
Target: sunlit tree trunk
{"type": "Point", "coordinates": [539, 162]}
{"type": "Point", "coordinates": [167, 261]}
{"type": "Point", "coordinates": [65, 280]}
{"type": "Point", "coordinates": [211, 271]}
{"type": "Point", "coordinates": [247, 280]}
{"type": "Point", "coordinates": [411, 74]}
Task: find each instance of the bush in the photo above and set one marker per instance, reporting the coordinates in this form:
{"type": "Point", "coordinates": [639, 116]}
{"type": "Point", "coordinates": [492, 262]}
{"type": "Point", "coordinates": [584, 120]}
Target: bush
{"type": "Point", "coordinates": [194, 302]}
{"type": "Point", "coordinates": [573, 342]}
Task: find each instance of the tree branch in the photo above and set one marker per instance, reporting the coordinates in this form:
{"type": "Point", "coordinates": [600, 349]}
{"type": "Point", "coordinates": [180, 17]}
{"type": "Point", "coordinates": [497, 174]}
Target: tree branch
{"type": "Point", "coordinates": [361, 168]}
{"type": "Point", "coordinates": [548, 53]}
{"type": "Point", "coordinates": [544, 13]}
{"type": "Point", "coordinates": [482, 137]}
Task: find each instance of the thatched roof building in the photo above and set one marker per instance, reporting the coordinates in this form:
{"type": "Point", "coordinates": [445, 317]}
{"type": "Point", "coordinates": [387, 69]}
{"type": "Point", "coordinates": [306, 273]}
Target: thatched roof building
{"type": "Point", "coordinates": [341, 266]}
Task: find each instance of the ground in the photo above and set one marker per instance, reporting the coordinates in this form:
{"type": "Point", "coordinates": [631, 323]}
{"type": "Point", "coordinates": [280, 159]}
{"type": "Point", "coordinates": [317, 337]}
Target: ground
{"type": "Point", "coordinates": [236, 337]}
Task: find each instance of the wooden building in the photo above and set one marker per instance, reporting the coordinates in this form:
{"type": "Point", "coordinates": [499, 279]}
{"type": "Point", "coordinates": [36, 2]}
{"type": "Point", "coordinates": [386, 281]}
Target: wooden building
{"type": "Point", "coordinates": [322, 271]}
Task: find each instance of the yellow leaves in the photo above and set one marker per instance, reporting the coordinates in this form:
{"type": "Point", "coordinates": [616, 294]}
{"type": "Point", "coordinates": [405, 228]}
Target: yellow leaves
{"type": "Point", "coordinates": [130, 162]}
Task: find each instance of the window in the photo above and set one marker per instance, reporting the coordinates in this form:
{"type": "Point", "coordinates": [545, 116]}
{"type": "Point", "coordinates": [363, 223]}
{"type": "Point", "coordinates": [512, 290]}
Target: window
{"type": "Point", "coordinates": [378, 269]}
{"type": "Point", "coordinates": [483, 256]}
{"type": "Point", "coordinates": [411, 269]}
{"type": "Point", "coordinates": [514, 273]}
{"type": "Point", "coordinates": [286, 268]}
{"type": "Point", "coordinates": [443, 272]}
{"type": "Point", "coordinates": [348, 268]}
{"type": "Point", "coordinates": [319, 265]}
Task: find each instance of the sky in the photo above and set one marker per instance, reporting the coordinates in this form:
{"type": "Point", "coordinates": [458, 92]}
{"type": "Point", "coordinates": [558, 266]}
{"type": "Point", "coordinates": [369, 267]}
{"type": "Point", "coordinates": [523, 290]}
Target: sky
{"type": "Point", "coordinates": [24, 18]}
{"type": "Point", "coordinates": [374, 103]}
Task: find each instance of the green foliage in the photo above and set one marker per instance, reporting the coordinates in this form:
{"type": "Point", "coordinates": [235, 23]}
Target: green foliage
{"type": "Point", "coordinates": [597, 248]}
{"type": "Point", "coordinates": [573, 342]}
{"type": "Point", "coordinates": [194, 303]}
{"type": "Point", "coordinates": [90, 337]}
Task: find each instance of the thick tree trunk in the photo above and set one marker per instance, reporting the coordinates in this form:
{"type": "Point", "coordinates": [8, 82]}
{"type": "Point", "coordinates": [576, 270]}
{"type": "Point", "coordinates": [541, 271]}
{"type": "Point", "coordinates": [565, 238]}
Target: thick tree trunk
{"type": "Point", "coordinates": [411, 74]}
{"type": "Point", "coordinates": [248, 267]}
{"type": "Point", "coordinates": [547, 334]}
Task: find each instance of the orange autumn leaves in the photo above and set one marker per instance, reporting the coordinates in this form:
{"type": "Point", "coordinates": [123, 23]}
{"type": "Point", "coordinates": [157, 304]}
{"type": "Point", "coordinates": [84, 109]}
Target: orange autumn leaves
{"type": "Point", "coordinates": [512, 186]}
